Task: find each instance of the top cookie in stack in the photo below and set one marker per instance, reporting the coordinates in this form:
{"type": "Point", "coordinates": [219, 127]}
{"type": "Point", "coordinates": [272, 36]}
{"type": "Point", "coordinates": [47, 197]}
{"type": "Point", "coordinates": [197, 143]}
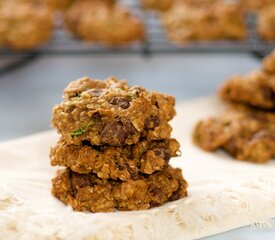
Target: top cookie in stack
{"type": "Point", "coordinates": [246, 130]}
{"type": "Point", "coordinates": [110, 112]}
{"type": "Point", "coordinates": [115, 142]}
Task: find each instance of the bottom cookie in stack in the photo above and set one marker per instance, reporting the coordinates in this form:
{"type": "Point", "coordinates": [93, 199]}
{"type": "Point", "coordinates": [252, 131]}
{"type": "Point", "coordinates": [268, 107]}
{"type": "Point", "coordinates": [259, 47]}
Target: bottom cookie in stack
{"type": "Point", "coordinates": [87, 192]}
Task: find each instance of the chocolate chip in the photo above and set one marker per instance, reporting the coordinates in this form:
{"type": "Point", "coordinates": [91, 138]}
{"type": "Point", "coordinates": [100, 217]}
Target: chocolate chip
{"type": "Point", "coordinates": [120, 165]}
{"type": "Point", "coordinates": [95, 116]}
{"type": "Point", "coordinates": [162, 152]}
{"type": "Point", "coordinates": [133, 172]}
{"type": "Point", "coordinates": [120, 101]}
{"type": "Point", "coordinates": [115, 133]}
{"type": "Point", "coordinates": [177, 194]}
{"type": "Point", "coordinates": [151, 122]}
{"type": "Point", "coordinates": [79, 181]}
{"type": "Point", "coordinates": [231, 146]}
{"type": "Point", "coordinates": [154, 190]}
{"type": "Point", "coordinates": [268, 93]}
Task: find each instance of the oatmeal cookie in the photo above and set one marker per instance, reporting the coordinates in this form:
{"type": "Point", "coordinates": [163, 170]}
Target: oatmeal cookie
{"type": "Point", "coordinates": [255, 5]}
{"type": "Point", "coordinates": [222, 20]}
{"type": "Point", "coordinates": [58, 4]}
{"type": "Point", "coordinates": [256, 89]}
{"type": "Point", "coordinates": [86, 192]}
{"type": "Point", "coordinates": [245, 133]}
{"type": "Point", "coordinates": [111, 112]}
{"type": "Point", "coordinates": [104, 22]}
{"type": "Point", "coordinates": [160, 5]}
{"type": "Point", "coordinates": [24, 24]}
{"type": "Point", "coordinates": [123, 163]}
{"type": "Point", "coordinates": [269, 64]}
{"type": "Point", "coordinates": [266, 23]}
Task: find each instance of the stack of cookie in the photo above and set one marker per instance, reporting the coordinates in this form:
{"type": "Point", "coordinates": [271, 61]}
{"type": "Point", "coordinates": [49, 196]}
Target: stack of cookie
{"type": "Point", "coordinates": [247, 129]}
{"type": "Point", "coordinates": [115, 144]}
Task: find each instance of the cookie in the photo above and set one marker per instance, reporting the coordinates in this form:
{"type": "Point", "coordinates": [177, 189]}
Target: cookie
{"type": "Point", "coordinates": [122, 163]}
{"type": "Point", "coordinates": [86, 192]}
{"type": "Point", "coordinates": [266, 23]}
{"type": "Point", "coordinates": [21, 21]}
{"type": "Point", "coordinates": [111, 112]}
{"type": "Point", "coordinates": [268, 64]}
{"type": "Point", "coordinates": [104, 22]}
{"type": "Point", "coordinates": [256, 89]}
{"type": "Point", "coordinates": [160, 5]}
{"type": "Point", "coordinates": [255, 5]}
{"type": "Point", "coordinates": [58, 4]}
{"type": "Point", "coordinates": [221, 20]}
{"type": "Point", "coordinates": [245, 133]}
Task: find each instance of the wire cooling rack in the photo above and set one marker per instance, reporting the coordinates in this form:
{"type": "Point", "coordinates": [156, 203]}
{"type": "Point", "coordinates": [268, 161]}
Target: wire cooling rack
{"type": "Point", "coordinates": [63, 43]}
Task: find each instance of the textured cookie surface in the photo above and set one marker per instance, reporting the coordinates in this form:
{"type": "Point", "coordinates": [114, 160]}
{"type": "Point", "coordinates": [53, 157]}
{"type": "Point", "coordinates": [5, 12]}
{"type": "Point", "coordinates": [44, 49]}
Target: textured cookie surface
{"type": "Point", "coordinates": [161, 5]}
{"type": "Point", "coordinates": [256, 88]}
{"type": "Point", "coordinates": [86, 192]}
{"type": "Point", "coordinates": [245, 133]}
{"type": "Point", "coordinates": [104, 21]}
{"type": "Point", "coordinates": [221, 20]}
{"type": "Point", "coordinates": [111, 112]}
{"type": "Point", "coordinates": [24, 24]}
{"type": "Point", "coordinates": [122, 163]}
{"type": "Point", "coordinates": [266, 23]}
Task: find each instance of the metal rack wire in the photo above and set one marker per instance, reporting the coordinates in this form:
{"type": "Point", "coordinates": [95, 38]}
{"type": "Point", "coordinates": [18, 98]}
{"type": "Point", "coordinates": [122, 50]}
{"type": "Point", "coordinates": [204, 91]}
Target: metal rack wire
{"type": "Point", "coordinates": [156, 42]}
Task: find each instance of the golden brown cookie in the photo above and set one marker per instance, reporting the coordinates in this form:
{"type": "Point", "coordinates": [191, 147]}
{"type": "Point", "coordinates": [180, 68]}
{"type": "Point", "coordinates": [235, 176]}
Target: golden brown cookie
{"type": "Point", "coordinates": [86, 192]}
{"type": "Point", "coordinates": [266, 23]}
{"type": "Point", "coordinates": [268, 65]}
{"type": "Point", "coordinates": [255, 5]}
{"type": "Point", "coordinates": [110, 112]}
{"type": "Point", "coordinates": [256, 89]}
{"type": "Point", "coordinates": [24, 24]}
{"type": "Point", "coordinates": [58, 4]}
{"type": "Point", "coordinates": [160, 5]}
{"type": "Point", "coordinates": [123, 163]}
{"type": "Point", "coordinates": [245, 133]}
{"type": "Point", "coordinates": [203, 22]}
{"type": "Point", "coordinates": [104, 22]}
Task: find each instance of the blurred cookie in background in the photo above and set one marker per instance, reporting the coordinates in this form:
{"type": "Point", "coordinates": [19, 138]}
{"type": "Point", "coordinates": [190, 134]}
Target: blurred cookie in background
{"type": "Point", "coordinates": [266, 23]}
{"type": "Point", "coordinates": [104, 21]}
{"type": "Point", "coordinates": [24, 24]}
{"type": "Point", "coordinates": [164, 5]}
{"type": "Point", "coordinates": [204, 22]}
{"type": "Point", "coordinates": [159, 5]}
{"type": "Point", "coordinates": [255, 5]}
{"type": "Point", "coordinates": [58, 4]}
{"type": "Point", "coordinates": [256, 89]}
{"type": "Point", "coordinates": [245, 133]}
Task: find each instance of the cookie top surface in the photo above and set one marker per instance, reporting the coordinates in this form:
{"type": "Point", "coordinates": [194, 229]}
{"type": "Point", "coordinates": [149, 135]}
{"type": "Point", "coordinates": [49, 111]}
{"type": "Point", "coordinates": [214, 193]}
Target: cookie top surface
{"type": "Point", "coordinates": [256, 88]}
{"type": "Point", "coordinates": [128, 111]}
{"type": "Point", "coordinates": [183, 22]}
{"type": "Point", "coordinates": [21, 21]}
{"type": "Point", "coordinates": [24, 24]}
{"type": "Point", "coordinates": [104, 21]}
